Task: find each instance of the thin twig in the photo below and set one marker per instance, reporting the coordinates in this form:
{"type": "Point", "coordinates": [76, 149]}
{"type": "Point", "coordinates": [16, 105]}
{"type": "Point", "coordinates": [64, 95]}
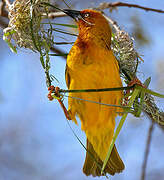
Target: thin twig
{"type": "Point", "coordinates": [96, 90]}
{"type": "Point", "coordinates": [147, 150]}
{"type": "Point", "coordinates": [99, 103]}
{"type": "Point", "coordinates": [58, 51]}
{"type": "Point", "coordinates": [121, 4]}
{"type": "Point", "coordinates": [53, 15]}
{"type": "Point", "coordinates": [103, 6]}
{"type": "Point", "coordinates": [62, 43]}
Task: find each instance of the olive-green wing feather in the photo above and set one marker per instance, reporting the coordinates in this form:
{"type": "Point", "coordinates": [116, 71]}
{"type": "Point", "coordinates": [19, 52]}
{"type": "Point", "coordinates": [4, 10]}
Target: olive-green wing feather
{"type": "Point", "coordinates": [92, 166]}
{"type": "Point", "coordinates": [67, 77]}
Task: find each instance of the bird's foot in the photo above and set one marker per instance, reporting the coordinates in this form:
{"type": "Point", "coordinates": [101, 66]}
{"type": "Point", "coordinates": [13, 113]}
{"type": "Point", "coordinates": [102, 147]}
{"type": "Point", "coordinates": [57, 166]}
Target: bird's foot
{"type": "Point", "coordinates": [136, 81]}
{"type": "Point", "coordinates": [133, 82]}
{"type": "Point", "coordinates": [54, 94]}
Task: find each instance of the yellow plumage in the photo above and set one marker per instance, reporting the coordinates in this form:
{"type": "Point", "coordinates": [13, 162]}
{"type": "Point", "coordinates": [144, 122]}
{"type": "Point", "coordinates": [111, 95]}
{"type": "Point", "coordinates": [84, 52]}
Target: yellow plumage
{"type": "Point", "coordinates": [92, 65]}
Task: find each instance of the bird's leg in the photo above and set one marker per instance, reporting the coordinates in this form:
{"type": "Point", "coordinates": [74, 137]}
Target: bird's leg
{"type": "Point", "coordinates": [131, 83]}
{"type": "Point", "coordinates": [56, 95]}
{"type": "Point", "coordinates": [137, 82]}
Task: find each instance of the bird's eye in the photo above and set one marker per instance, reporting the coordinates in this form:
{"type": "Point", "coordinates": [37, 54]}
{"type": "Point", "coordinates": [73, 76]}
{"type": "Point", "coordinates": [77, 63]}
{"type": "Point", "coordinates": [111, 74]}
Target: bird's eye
{"type": "Point", "coordinates": [86, 15]}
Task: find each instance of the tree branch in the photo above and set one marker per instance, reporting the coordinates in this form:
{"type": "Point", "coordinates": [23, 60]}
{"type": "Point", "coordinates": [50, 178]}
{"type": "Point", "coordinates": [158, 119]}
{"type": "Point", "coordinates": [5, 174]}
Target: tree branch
{"type": "Point", "coordinates": [103, 6]}
{"type": "Point", "coordinates": [121, 4]}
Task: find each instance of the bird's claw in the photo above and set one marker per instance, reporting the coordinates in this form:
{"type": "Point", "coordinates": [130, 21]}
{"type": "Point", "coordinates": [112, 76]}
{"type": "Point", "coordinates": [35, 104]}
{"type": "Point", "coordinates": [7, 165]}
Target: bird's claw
{"type": "Point", "coordinates": [53, 93]}
{"type": "Point", "coordinates": [134, 81]}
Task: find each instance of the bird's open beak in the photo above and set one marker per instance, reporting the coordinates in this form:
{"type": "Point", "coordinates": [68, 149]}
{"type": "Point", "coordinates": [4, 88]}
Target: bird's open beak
{"type": "Point", "coordinates": [73, 14]}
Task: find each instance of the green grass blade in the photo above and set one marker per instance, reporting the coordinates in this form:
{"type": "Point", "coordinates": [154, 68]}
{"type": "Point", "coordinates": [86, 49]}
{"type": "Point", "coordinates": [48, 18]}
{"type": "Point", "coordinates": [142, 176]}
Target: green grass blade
{"type": "Point", "coordinates": [11, 46]}
{"type": "Point", "coordinates": [150, 91]}
{"type": "Point", "coordinates": [64, 32]}
{"type": "Point", "coordinates": [147, 82]}
{"type": "Point", "coordinates": [142, 96]}
{"type": "Point", "coordinates": [66, 25]}
{"type": "Point", "coordinates": [58, 54]}
{"type": "Point", "coordinates": [132, 99]}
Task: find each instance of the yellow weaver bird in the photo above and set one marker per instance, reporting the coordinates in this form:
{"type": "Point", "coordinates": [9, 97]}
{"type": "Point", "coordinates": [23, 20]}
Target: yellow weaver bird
{"type": "Point", "coordinates": [91, 64]}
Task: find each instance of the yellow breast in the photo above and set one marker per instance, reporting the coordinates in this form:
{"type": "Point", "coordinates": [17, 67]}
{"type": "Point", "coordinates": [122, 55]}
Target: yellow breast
{"type": "Point", "coordinates": [93, 68]}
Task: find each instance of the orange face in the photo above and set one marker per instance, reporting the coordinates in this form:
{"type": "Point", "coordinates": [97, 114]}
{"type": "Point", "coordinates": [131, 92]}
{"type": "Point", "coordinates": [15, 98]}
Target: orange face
{"type": "Point", "coordinates": [87, 17]}
{"type": "Point", "coordinates": [91, 18]}
{"type": "Point", "coordinates": [91, 23]}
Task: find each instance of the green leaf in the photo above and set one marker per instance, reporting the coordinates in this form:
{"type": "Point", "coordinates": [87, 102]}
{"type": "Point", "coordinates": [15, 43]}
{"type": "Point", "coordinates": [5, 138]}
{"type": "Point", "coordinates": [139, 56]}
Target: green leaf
{"type": "Point", "coordinates": [42, 61]}
{"type": "Point", "coordinates": [147, 81]}
{"type": "Point", "coordinates": [142, 95]}
{"type": "Point", "coordinates": [12, 48]}
{"type": "Point", "coordinates": [150, 91]}
{"type": "Point", "coordinates": [9, 33]}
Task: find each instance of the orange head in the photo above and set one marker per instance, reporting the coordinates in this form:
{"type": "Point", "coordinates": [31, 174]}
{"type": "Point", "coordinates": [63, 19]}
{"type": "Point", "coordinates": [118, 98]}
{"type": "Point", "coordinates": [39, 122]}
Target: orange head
{"type": "Point", "coordinates": [92, 25]}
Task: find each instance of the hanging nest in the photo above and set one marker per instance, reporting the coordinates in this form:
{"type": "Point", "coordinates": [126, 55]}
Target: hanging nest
{"type": "Point", "coordinates": [25, 17]}
{"type": "Point", "coordinates": [123, 48]}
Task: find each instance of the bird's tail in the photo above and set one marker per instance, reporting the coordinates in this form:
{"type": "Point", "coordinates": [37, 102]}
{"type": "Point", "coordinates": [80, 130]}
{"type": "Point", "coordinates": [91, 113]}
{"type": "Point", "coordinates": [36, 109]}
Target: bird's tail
{"type": "Point", "coordinates": [93, 163]}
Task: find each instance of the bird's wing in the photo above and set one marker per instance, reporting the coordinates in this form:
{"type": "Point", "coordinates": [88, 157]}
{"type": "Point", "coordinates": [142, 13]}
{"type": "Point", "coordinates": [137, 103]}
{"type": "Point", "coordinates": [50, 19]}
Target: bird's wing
{"type": "Point", "coordinates": [67, 77]}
